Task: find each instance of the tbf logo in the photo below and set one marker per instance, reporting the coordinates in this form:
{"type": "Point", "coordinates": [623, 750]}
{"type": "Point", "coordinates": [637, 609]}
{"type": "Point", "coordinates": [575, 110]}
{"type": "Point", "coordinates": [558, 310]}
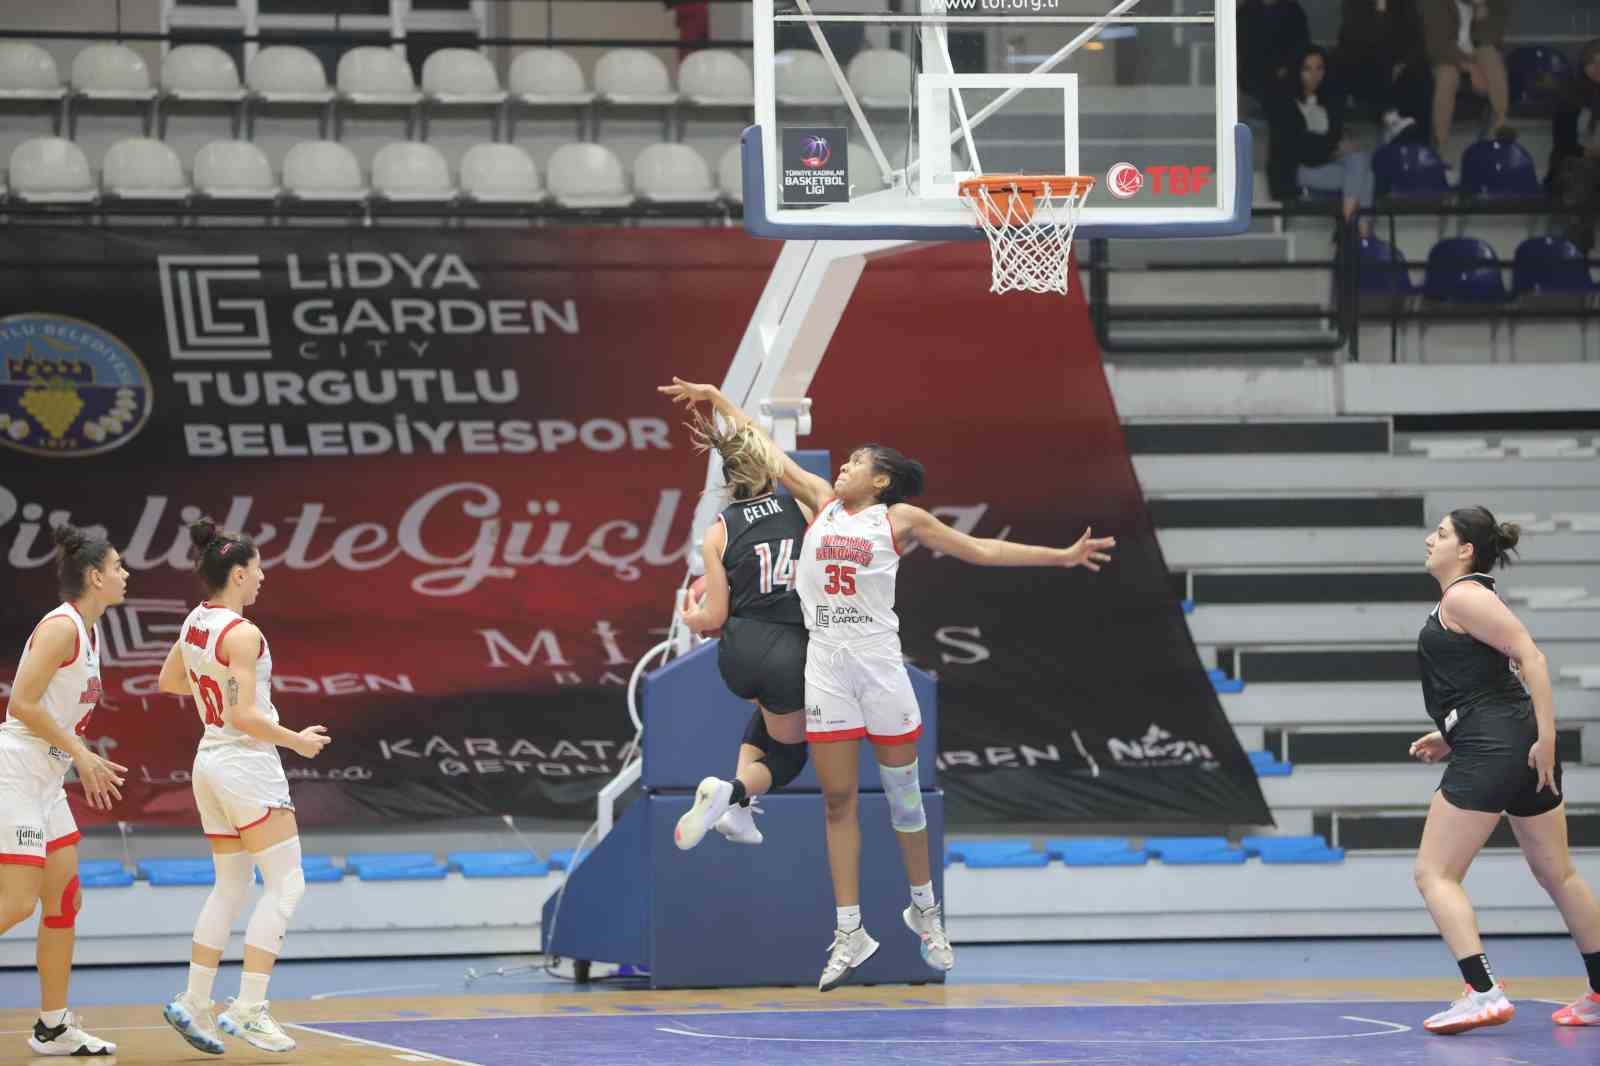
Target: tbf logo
{"type": "Point", "coordinates": [1124, 180]}
{"type": "Point", "coordinates": [203, 322]}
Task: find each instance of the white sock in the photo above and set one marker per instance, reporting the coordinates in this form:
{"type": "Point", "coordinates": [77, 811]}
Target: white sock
{"type": "Point", "coordinates": [253, 987]}
{"type": "Point", "coordinates": [849, 918]}
{"type": "Point", "coordinates": [53, 1018]}
{"type": "Point", "coordinates": [200, 979]}
{"type": "Point", "coordinates": [922, 896]}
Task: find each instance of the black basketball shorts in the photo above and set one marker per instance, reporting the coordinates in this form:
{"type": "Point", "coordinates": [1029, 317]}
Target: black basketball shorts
{"type": "Point", "coordinates": [764, 661]}
{"type": "Point", "coordinates": [1488, 769]}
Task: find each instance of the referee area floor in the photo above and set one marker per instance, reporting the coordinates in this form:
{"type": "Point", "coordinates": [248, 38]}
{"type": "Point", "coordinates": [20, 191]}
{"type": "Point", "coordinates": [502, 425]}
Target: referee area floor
{"type": "Point", "coordinates": [1176, 1003]}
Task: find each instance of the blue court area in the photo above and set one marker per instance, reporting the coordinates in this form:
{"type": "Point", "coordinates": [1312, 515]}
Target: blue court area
{"type": "Point", "coordinates": [1354, 1033]}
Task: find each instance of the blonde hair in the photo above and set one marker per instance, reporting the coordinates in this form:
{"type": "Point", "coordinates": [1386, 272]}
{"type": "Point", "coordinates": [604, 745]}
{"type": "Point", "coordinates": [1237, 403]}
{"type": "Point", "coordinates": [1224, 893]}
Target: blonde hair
{"type": "Point", "coordinates": [750, 462]}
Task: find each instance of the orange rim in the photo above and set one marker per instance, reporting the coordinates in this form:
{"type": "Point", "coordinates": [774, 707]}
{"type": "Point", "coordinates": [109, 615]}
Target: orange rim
{"type": "Point", "coordinates": [1061, 185]}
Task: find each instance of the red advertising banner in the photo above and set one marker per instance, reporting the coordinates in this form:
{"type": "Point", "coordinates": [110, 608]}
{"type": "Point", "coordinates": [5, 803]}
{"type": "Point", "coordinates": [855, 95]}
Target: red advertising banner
{"type": "Point", "coordinates": [473, 508]}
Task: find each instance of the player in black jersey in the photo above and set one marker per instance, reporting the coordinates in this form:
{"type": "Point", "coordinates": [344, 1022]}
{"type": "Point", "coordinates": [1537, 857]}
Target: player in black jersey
{"type": "Point", "coordinates": [749, 555]}
{"type": "Point", "coordinates": [1499, 734]}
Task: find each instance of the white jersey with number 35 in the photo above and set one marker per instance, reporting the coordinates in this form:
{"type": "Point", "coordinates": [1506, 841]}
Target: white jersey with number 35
{"type": "Point", "coordinates": [209, 675]}
{"type": "Point", "coordinates": [846, 574]}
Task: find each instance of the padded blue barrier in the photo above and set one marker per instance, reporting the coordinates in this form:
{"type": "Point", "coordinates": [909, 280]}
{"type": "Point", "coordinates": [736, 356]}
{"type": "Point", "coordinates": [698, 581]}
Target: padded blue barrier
{"type": "Point", "coordinates": [1096, 851]}
{"type": "Point", "coordinates": [103, 873]}
{"type": "Point", "coordinates": [318, 869]}
{"type": "Point", "coordinates": [996, 854]}
{"type": "Point", "coordinates": [1267, 765]}
{"type": "Point", "coordinates": [433, 871]}
{"type": "Point", "coordinates": [497, 864]}
{"type": "Point", "coordinates": [515, 856]}
{"type": "Point", "coordinates": [163, 872]}
{"type": "Point", "coordinates": [358, 862]}
{"type": "Point", "coordinates": [1292, 849]}
{"type": "Point", "coordinates": [1195, 851]}
{"type": "Point", "coordinates": [567, 858]}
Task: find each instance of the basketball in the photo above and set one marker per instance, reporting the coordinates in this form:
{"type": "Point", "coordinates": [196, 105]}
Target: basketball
{"type": "Point", "coordinates": [697, 593]}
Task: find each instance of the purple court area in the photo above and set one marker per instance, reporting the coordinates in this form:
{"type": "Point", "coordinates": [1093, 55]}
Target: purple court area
{"type": "Point", "coordinates": [1350, 1033]}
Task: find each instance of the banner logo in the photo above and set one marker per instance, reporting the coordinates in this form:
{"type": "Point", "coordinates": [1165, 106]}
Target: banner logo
{"type": "Point", "coordinates": [1124, 180]}
{"type": "Point", "coordinates": [203, 322]}
{"type": "Point", "coordinates": [67, 387]}
{"type": "Point", "coordinates": [811, 173]}
{"type": "Point", "coordinates": [1158, 747]}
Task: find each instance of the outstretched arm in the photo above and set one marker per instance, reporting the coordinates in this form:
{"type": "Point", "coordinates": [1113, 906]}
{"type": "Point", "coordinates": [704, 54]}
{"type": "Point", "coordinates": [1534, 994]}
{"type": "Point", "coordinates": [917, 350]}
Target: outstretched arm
{"type": "Point", "coordinates": [913, 524]}
{"type": "Point", "coordinates": [807, 488]}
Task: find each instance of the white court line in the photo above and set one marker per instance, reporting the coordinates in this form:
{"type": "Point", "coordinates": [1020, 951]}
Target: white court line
{"type": "Point", "coordinates": [1393, 1029]}
{"type": "Point", "coordinates": [426, 1056]}
{"type": "Point", "coordinates": [368, 991]}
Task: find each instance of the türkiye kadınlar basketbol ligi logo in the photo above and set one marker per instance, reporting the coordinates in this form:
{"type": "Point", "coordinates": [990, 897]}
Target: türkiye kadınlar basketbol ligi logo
{"type": "Point", "coordinates": [815, 153]}
{"type": "Point", "coordinates": [67, 387]}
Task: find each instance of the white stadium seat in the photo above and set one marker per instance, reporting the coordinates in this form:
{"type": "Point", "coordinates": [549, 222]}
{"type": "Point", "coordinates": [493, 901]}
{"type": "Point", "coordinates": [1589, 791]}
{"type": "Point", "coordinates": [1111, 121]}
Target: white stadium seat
{"type": "Point", "coordinates": [500, 174]}
{"type": "Point", "coordinates": [323, 170]}
{"type": "Point", "coordinates": [411, 172]}
{"type": "Point", "coordinates": [672, 174]}
{"type": "Point", "coordinates": [548, 76]}
{"type": "Point", "coordinates": [460, 75]}
{"type": "Point", "coordinates": [234, 170]}
{"type": "Point", "coordinates": [713, 77]}
{"type": "Point", "coordinates": [372, 75]}
{"type": "Point", "coordinates": [881, 78]}
{"type": "Point", "coordinates": [142, 168]}
{"type": "Point", "coordinates": [587, 175]}
{"type": "Point", "coordinates": [631, 77]}
{"type": "Point", "coordinates": [111, 72]}
{"type": "Point", "coordinates": [200, 72]}
{"type": "Point", "coordinates": [50, 170]}
{"type": "Point", "coordinates": [730, 174]}
{"type": "Point", "coordinates": [28, 72]}
{"type": "Point", "coordinates": [804, 79]}
{"type": "Point", "coordinates": [288, 74]}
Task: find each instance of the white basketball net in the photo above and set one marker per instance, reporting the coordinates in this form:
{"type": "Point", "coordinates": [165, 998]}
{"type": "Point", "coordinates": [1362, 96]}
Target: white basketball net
{"type": "Point", "coordinates": [1029, 253]}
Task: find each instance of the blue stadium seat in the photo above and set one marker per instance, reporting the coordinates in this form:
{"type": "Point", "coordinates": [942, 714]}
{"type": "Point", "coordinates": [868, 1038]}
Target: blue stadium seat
{"type": "Point", "coordinates": [1536, 73]}
{"type": "Point", "coordinates": [1221, 682]}
{"type": "Point", "coordinates": [103, 873]}
{"type": "Point", "coordinates": [1195, 851]}
{"type": "Point", "coordinates": [1292, 849]}
{"type": "Point", "coordinates": [161, 872]}
{"type": "Point", "coordinates": [1408, 169]}
{"type": "Point", "coordinates": [1383, 269]}
{"type": "Point", "coordinates": [1267, 765]}
{"type": "Point", "coordinates": [497, 864]}
{"type": "Point", "coordinates": [1464, 270]}
{"type": "Point", "coordinates": [1096, 851]}
{"type": "Point", "coordinates": [1498, 168]}
{"type": "Point", "coordinates": [997, 854]}
{"type": "Point", "coordinates": [1550, 265]}
{"type": "Point", "coordinates": [566, 858]}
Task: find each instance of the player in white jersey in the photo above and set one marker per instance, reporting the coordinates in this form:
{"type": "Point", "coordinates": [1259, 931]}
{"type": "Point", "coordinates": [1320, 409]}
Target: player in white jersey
{"type": "Point", "coordinates": [55, 691]}
{"type": "Point", "coordinates": [223, 662]}
{"type": "Point", "coordinates": [856, 683]}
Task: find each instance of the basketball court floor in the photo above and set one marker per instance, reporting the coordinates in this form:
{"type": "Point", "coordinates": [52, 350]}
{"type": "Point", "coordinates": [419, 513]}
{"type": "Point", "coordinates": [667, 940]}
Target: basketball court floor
{"type": "Point", "coordinates": [1236, 1003]}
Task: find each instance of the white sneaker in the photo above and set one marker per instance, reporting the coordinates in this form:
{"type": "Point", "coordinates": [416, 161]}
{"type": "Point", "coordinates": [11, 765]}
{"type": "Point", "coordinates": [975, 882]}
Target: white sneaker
{"type": "Point", "coordinates": [67, 1039]}
{"type": "Point", "coordinates": [252, 1024]}
{"type": "Point", "coordinates": [1471, 1011]}
{"type": "Point", "coordinates": [739, 824]}
{"type": "Point", "coordinates": [710, 804]}
{"type": "Point", "coordinates": [929, 926]}
{"type": "Point", "coordinates": [847, 951]}
{"type": "Point", "coordinates": [195, 1023]}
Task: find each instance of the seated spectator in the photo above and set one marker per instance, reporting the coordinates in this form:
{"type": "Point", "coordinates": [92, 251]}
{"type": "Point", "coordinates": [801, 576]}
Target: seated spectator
{"type": "Point", "coordinates": [1378, 44]}
{"type": "Point", "coordinates": [1271, 33]}
{"type": "Point", "coordinates": [1574, 176]}
{"type": "Point", "coordinates": [1463, 37]}
{"type": "Point", "coordinates": [1308, 148]}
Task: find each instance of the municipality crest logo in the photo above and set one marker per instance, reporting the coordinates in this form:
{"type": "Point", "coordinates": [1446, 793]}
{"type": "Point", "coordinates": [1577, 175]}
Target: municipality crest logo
{"type": "Point", "coordinates": [67, 387]}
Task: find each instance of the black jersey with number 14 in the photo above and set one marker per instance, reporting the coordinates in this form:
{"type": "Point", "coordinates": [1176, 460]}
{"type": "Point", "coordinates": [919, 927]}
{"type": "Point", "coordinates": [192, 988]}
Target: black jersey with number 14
{"type": "Point", "coordinates": [764, 536]}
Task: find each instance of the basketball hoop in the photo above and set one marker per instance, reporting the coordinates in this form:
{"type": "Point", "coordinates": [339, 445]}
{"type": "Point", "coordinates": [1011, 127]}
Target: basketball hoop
{"type": "Point", "coordinates": [1029, 220]}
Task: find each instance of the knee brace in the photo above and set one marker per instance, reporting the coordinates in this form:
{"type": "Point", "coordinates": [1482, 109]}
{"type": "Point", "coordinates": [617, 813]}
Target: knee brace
{"type": "Point", "coordinates": [756, 735]}
{"type": "Point", "coordinates": [228, 896]}
{"type": "Point", "coordinates": [68, 918]}
{"type": "Point", "coordinates": [904, 793]}
{"type": "Point", "coordinates": [285, 885]}
{"type": "Point", "coordinates": [784, 762]}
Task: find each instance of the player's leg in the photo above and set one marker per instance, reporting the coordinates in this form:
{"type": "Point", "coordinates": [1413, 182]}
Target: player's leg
{"type": "Point", "coordinates": [56, 1032]}
{"type": "Point", "coordinates": [772, 755]}
{"type": "Point", "coordinates": [273, 841]}
{"type": "Point", "coordinates": [1451, 839]}
{"type": "Point", "coordinates": [1543, 839]}
{"type": "Point", "coordinates": [838, 764]}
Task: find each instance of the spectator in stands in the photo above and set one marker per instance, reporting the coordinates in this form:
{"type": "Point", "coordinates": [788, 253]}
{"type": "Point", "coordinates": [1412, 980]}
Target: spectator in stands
{"type": "Point", "coordinates": [1308, 148]}
{"type": "Point", "coordinates": [1378, 46]}
{"type": "Point", "coordinates": [1486, 685]}
{"type": "Point", "coordinates": [1574, 176]}
{"type": "Point", "coordinates": [694, 23]}
{"type": "Point", "coordinates": [1465, 38]}
{"type": "Point", "coordinates": [1271, 34]}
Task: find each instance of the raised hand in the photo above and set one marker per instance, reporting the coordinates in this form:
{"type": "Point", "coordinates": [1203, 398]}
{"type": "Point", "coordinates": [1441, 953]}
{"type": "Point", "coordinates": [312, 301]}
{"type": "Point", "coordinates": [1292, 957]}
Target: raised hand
{"type": "Point", "coordinates": [687, 393]}
{"type": "Point", "coordinates": [1089, 551]}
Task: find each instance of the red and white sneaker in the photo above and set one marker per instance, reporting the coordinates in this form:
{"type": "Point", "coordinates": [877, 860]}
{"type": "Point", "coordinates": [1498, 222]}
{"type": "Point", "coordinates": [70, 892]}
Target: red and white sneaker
{"type": "Point", "coordinates": [1585, 1011]}
{"type": "Point", "coordinates": [1473, 1011]}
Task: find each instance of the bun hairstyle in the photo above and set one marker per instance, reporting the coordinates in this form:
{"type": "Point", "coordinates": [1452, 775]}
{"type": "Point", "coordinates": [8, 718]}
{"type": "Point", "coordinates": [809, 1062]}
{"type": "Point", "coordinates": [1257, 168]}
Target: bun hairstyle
{"type": "Point", "coordinates": [76, 554]}
{"type": "Point", "coordinates": [905, 475]}
{"type": "Point", "coordinates": [750, 463]}
{"type": "Point", "coordinates": [1492, 542]}
{"type": "Point", "coordinates": [217, 551]}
